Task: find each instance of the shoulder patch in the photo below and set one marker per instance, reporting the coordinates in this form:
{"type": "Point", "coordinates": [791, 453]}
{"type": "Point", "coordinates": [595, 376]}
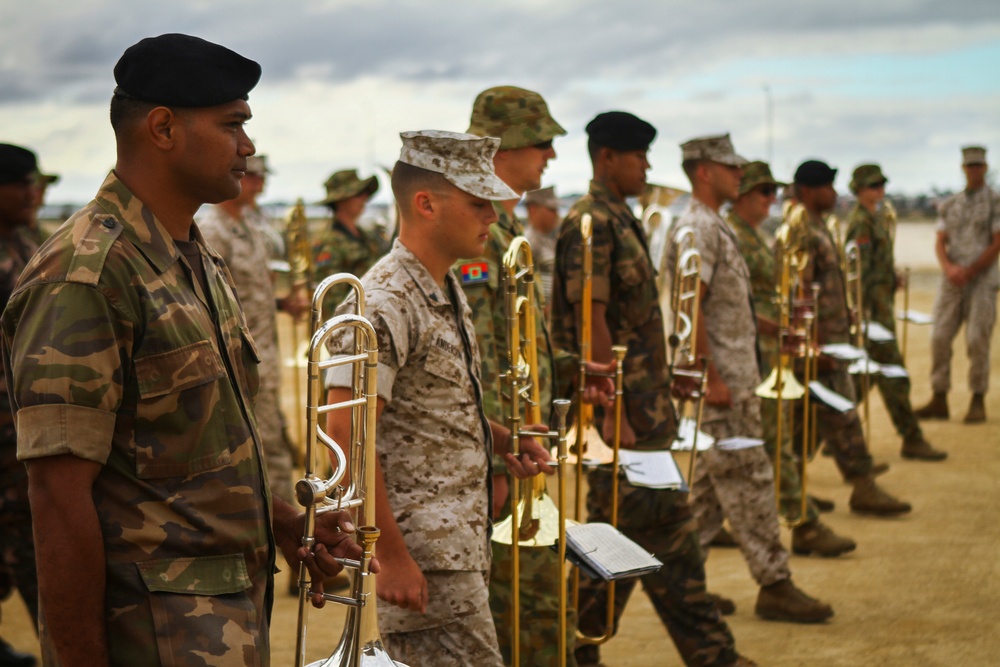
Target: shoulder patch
{"type": "Point", "coordinates": [92, 249]}
{"type": "Point", "coordinates": [472, 273]}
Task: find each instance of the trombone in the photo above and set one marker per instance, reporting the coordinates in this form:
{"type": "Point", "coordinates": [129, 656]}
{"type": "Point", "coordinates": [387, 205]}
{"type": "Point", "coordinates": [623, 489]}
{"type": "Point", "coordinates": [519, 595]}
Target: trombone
{"type": "Point", "coordinates": [300, 265]}
{"type": "Point", "coordinates": [531, 518]}
{"type": "Point", "coordinates": [855, 306]}
{"type": "Point", "coordinates": [360, 644]}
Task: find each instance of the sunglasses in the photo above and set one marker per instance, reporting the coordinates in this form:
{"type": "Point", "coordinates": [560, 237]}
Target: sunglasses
{"type": "Point", "coordinates": [877, 186]}
{"type": "Point", "coordinates": [768, 190]}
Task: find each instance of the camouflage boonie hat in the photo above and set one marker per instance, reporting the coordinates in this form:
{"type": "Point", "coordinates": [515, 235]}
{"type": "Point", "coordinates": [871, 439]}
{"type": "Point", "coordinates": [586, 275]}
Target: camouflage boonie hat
{"type": "Point", "coordinates": [865, 176]}
{"type": "Point", "coordinates": [973, 155]}
{"type": "Point", "coordinates": [465, 160]}
{"type": "Point", "coordinates": [757, 173]}
{"type": "Point", "coordinates": [519, 117]}
{"type": "Point", "coordinates": [345, 183]}
{"type": "Point", "coordinates": [257, 164]}
{"type": "Point", "coordinates": [544, 197]}
{"type": "Point", "coordinates": [718, 148]}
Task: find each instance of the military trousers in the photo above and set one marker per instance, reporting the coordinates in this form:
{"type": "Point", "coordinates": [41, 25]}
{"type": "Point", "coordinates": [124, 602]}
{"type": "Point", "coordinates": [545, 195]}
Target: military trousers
{"type": "Point", "coordinates": [738, 484]}
{"type": "Point", "coordinates": [660, 521]}
{"type": "Point", "coordinates": [791, 500]}
{"type": "Point", "coordinates": [841, 432]}
{"type": "Point", "coordinates": [976, 305]}
{"type": "Point", "coordinates": [895, 390]}
{"type": "Point", "coordinates": [17, 545]}
{"type": "Point", "coordinates": [277, 454]}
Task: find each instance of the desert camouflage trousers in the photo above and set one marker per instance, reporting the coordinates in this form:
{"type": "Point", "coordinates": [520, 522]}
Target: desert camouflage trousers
{"type": "Point", "coordinates": [976, 305]}
{"type": "Point", "coordinates": [660, 521]}
{"type": "Point", "coordinates": [738, 484]}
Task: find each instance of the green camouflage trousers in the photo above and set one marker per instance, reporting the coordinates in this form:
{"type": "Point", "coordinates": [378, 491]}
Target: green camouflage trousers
{"type": "Point", "coordinates": [539, 606]}
{"type": "Point", "coordinates": [17, 546]}
{"type": "Point", "coordinates": [790, 506]}
{"type": "Point", "coordinates": [840, 431]}
{"type": "Point", "coordinates": [661, 522]}
{"type": "Point", "coordinates": [895, 391]}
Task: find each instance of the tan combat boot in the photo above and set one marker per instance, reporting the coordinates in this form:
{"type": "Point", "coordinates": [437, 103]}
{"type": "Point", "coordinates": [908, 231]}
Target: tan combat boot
{"type": "Point", "coordinates": [915, 447]}
{"type": "Point", "coordinates": [936, 409]}
{"type": "Point", "coordinates": [784, 602]}
{"type": "Point", "coordinates": [868, 498]}
{"type": "Point", "coordinates": [977, 410]}
{"type": "Point", "coordinates": [815, 537]}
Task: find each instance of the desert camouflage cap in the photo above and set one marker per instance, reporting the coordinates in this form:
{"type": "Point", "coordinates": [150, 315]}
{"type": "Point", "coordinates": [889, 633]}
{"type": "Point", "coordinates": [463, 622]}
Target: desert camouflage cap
{"type": "Point", "coordinates": [257, 164]}
{"type": "Point", "coordinates": [717, 148]}
{"type": "Point", "coordinates": [544, 197]}
{"type": "Point", "coordinates": [465, 160]}
{"type": "Point", "coordinates": [865, 176]}
{"type": "Point", "coordinates": [973, 155]}
{"type": "Point", "coordinates": [757, 173]}
{"type": "Point", "coordinates": [345, 183]}
{"type": "Point", "coordinates": [519, 117]}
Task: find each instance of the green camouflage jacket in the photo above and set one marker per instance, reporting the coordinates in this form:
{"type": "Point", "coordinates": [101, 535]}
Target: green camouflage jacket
{"type": "Point", "coordinates": [623, 280]}
{"type": "Point", "coordinates": [115, 355]}
{"type": "Point", "coordinates": [760, 260]}
{"type": "Point", "coordinates": [824, 268]}
{"type": "Point", "coordinates": [878, 266]}
{"type": "Point", "coordinates": [15, 251]}
{"type": "Point", "coordinates": [338, 250]}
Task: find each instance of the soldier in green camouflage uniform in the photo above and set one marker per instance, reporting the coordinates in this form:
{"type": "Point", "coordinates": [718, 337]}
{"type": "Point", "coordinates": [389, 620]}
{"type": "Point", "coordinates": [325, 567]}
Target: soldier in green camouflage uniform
{"type": "Point", "coordinates": [841, 431]}
{"type": "Point", "coordinates": [344, 246]}
{"type": "Point", "coordinates": [868, 229]}
{"type": "Point", "coordinates": [757, 194]}
{"type": "Point", "coordinates": [626, 312]}
{"type": "Point", "coordinates": [526, 129]}
{"type": "Point", "coordinates": [132, 375]}
{"type": "Point", "coordinates": [18, 171]}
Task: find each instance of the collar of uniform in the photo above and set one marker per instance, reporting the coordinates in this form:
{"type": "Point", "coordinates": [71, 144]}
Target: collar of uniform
{"type": "Point", "coordinates": [601, 191]}
{"type": "Point", "coordinates": [420, 275]}
{"type": "Point", "coordinates": [337, 223]}
{"type": "Point", "coordinates": [507, 221]}
{"type": "Point", "coordinates": [696, 204]}
{"type": "Point", "coordinates": [739, 225]}
{"type": "Point", "coordinates": [139, 224]}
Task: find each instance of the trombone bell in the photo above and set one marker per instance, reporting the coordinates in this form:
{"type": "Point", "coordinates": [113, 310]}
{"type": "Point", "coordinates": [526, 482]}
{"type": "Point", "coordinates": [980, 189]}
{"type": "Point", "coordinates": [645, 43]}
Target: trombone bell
{"type": "Point", "coordinates": [791, 389]}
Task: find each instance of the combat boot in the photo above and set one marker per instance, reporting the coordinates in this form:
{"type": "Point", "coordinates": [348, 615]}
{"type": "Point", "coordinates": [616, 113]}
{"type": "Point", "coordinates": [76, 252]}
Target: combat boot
{"type": "Point", "coordinates": [815, 537]}
{"type": "Point", "coordinates": [725, 606]}
{"type": "Point", "coordinates": [784, 602]}
{"type": "Point", "coordinates": [11, 657]}
{"type": "Point", "coordinates": [868, 498]}
{"type": "Point", "coordinates": [743, 662]}
{"type": "Point", "coordinates": [936, 409]}
{"type": "Point", "coordinates": [915, 447]}
{"type": "Point", "coordinates": [977, 410]}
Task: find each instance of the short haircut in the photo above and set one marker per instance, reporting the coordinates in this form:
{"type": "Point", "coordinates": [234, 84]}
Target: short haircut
{"type": "Point", "coordinates": [593, 148]}
{"type": "Point", "coordinates": [690, 166]}
{"type": "Point", "coordinates": [125, 111]}
{"type": "Point", "coordinates": [407, 180]}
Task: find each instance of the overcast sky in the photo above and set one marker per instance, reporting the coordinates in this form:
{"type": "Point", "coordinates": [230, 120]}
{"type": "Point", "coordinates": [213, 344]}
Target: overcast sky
{"type": "Point", "coordinates": [901, 82]}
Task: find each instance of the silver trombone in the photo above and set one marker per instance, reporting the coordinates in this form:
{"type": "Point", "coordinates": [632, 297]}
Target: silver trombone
{"type": "Point", "coordinates": [360, 644]}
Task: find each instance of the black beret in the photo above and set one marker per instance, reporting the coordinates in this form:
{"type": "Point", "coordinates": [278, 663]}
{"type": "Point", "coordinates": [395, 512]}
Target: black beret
{"type": "Point", "coordinates": [16, 163]}
{"type": "Point", "coordinates": [184, 71]}
{"type": "Point", "coordinates": [813, 173]}
{"type": "Point", "coordinates": [620, 131]}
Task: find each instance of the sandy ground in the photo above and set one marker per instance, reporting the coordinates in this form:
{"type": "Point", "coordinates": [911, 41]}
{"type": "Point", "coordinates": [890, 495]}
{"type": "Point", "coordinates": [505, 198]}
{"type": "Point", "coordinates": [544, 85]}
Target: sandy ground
{"type": "Point", "coordinates": [920, 590]}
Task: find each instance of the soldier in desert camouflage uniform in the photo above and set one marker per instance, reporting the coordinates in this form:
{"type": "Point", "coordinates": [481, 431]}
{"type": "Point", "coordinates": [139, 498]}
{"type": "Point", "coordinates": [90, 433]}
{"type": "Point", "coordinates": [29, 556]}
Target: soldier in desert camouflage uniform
{"type": "Point", "coordinates": [967, 246]}
{"type": "Point", "coordinates": [132, 377]}
{"type": "Point", "coordinates": [757, 194]}
{"type": "Point", "coordinates": [868, 229]}
{"type": "Point", "coordinates": [626, 312]}
{"type": "Point", "coordinates": [435, 442]}
{"type": "Point", "coordinates": [18, 173]}
{"type": "Point", "coordinates": [542, 231]}
{"type": "Point", "coordinates": [841, 431]}
{"type": "Point", "coordinates": [244, 248]}
{"type": "Point", "coordinates": [735, 483]}
{"type": "Point", "coordinates": [344, 246]}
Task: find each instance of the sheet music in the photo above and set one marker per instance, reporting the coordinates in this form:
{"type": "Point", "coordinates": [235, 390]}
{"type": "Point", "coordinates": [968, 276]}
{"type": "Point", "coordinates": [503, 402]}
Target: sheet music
{"type": "Point", "coordinates": [915, 317]}
{"type": "Point", "coordinates": [893, 371]}
{"type": "Point", "coordinates": [685, 437]}
{"type": "Point", "coordinates": [829, 397]}
{"type": "Point", "coordinates": [740, 442]}
{"type": "Point", "coordinates": [610, 554]}
{"type": "Point", "coordinates": [656, 470]}
{"type": "Point", "coordinates": [865, 366]}
{"type": "Point", "coordinates": [877, 333]}
{"type": "Point", "coordinates": [843, 351]}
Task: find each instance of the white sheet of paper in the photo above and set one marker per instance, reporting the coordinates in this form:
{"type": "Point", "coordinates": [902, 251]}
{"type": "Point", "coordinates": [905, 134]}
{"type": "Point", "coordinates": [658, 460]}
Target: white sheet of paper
{"type": "Point", "coordinates": [685, 437]}
{"type": "Point", "coordinates": [829, 397]}
{"type": "Point", "coordinates": [877, 333]}
{"type": "Point", "coordinates": [843, 351]}
{"type": "Point", "coordinates": [915, 317]}
{"type": "Point", "coordinates": [893, 371]}
{"type": "Point", "coordinates": [740, 442]}
{"type": "Point", "coordinates": [656, 470]}
{"type": "Point", "coordinates": [865, 365]}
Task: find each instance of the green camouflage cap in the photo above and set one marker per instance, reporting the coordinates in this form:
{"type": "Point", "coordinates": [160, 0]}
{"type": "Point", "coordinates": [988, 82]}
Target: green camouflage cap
{"type": "Point", "coordinates": [519, 117]}
{"type": "Point", "coordinates": [465, 160]}
{"type": "Point", "coordinates": [973, 155]}
{"type": "Point", "coordinates": [345, 183]}
{"type": "Point", "coordinates": [717, 148]}
{"type": "Point", "coordinates": [865, 176]}
{"type": "Point", "coordinates": [757, 173]}
{"type": "Point", "coordinates": [545, 197]}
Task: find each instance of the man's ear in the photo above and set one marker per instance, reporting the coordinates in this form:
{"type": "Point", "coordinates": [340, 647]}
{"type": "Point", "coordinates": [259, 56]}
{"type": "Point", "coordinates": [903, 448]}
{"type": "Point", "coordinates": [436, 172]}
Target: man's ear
{"type": "Point", "coordinates": [161, 127]}
{"type": "Point", "coordinates": [425, 204]}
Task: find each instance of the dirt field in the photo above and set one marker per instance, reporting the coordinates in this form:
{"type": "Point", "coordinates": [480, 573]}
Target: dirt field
{"type": "Point", "coordinates": [919, 591]}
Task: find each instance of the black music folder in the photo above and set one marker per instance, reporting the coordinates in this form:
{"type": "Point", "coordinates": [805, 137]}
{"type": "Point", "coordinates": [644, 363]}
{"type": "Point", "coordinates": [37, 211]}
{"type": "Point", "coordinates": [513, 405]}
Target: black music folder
{"type": "Point", "coordinates": [603, 552]}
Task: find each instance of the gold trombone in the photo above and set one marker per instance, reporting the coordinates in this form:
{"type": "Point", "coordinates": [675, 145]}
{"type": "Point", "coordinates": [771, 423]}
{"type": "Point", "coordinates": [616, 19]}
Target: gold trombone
{"type": "Point", "coordinates": [300, 264]}
{"type": "Point", "coordinates": [855, 305]}
{"type": "Point", "coordinates": [360, 644]}
{"type": "Point", "coordinates": [534, 519]}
